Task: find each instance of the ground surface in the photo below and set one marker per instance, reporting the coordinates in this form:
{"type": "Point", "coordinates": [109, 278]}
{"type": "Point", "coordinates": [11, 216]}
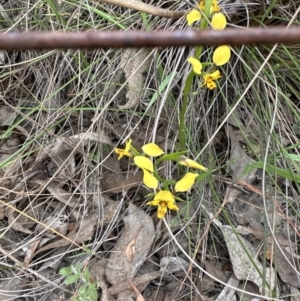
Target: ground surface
{"type": "Point", "coordinates": [67, 202]}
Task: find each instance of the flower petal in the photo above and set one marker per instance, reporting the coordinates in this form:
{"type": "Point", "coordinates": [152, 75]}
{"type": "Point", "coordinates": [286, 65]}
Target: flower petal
{"type": "Point", "coordinates": [221, 55]}
{"type": "Point", "coordinates": [193, 16]}
{"type": "Point", "coordinates": [143, 162]}
{"type": "Point", "coordinates": [197, 66]}
{"type": "Point", "coordinates": [173, 207]}
{"type": "Point", "coordinates": [153, 203]}
{"type": "Point", "coordinates": [149, 180]}
{"type": "Point", "coordinates": [128, 145]}
{"type": "Point", "coordinates": [161, 210]}
{"type": "Point", "coordinates": [186, 182]}
{"type": "Point", "coordinates": [166, 196]}
{"type": "Point", "coordinates": [218, 21]}
{"type": "Point", "coordinates": [151, 149]}
{"type": "Point", "coordinates": [191, 163]}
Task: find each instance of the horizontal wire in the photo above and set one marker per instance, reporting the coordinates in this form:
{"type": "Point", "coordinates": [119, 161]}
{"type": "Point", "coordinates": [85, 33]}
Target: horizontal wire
{"type": "Point", "coordinates": [138, 39]}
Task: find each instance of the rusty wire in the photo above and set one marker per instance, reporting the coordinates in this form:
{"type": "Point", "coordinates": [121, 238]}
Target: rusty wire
{"type": "Point", "coordinates": [138, 39]}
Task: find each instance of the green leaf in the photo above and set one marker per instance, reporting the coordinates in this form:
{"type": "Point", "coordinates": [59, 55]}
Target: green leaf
{"type": "Point", "coordinates": [92, 292]}
{"type": "Point", "coordinates": [171, 156]}
{"type": "Point", "coordinates": [65, 271]}
{"type": "Point", "coordinates": [86, 276]}
{"type": "Point", "coordinates": [271, 169]}
{"type": "Point", "coordinates": [71, 279]}
{"type": "Point", "coordinates": [82, 289]}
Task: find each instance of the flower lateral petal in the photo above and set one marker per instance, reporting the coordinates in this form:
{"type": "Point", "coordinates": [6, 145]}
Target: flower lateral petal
{"type": "Point", "coordinates": [221, 55]}
{"type": "Point", "coordinates": [149, 180]}
{"type": "Point", "coordinates": [153, 150]}
{"type": "Point", "coordinates": [193, 16]}
{"type": "Point", "coordinates": [143, 163]}
{"type": "Point", "coordinates": [191, 163]}
{"type": "Point", "coordinates": [196, 64]}
{"type": "Point", "coordinates": [218, 21]}
{"type": "Point", "coordinates": [186, 182]}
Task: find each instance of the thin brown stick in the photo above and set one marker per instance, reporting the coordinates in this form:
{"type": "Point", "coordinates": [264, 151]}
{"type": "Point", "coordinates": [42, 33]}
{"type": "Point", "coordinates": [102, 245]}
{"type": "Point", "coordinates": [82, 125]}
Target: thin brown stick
{"type": "Point", "coordinates": [147, 8]}
{"type": "Point", "coordinates": [139, 39]}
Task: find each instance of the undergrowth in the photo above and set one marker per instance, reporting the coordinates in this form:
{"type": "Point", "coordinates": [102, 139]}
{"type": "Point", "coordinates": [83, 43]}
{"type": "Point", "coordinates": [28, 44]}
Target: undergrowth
{"type": "Point", "coordinates": [63, 113]}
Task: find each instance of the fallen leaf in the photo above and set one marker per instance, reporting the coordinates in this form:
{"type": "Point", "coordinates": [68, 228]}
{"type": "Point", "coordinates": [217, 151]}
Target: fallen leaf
{"type": "Point", "coordinates": [228, 292]}
{"type": "Point", "coordinates": [130, 249]}
{"type": "Point", "coordinates": [239, 160]}
{"type": "Point", "coordinates": [139, 296]}
{"type": "Point", "coordinates": [118, 268]}
{"type": "Point", "coordinates": [116, 183]}
{"type": "Point", "coordinates": [245, 268]}
{"type": "Point", "coordinates": [134, 63]}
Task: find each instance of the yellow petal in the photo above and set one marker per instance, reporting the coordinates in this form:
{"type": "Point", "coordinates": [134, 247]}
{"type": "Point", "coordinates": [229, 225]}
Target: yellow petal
{"type": "Point", "coordinates": [191, 163]}
{"type": "Point", "coordinates": [161, 211]}
{"type": "Point", "coordinates": [214, 7]}
{"type": "Point", "coordinates": [128, 145]}
{"type": "Point", "coordinates": [149, 180]}
{"type": "Point", "coordinates": [210, 84]}
{"type": "Point", "coordinates": [166, 196]}
{"type": "Point", "coordinates": [193, 16]}
{"type": "Point", "coordinates": [197, 66]}
{"type": "Point", "coordinates": [173, 206]}
{"type": "Point", "coordinates": [151, 149]}
{"type": "Point", "coordinates": [221, 55]}
{"type": "Point", "coordinates": [186, 182]}
{"type": "Point", "coordinates": [143, 162]}
{"type": "Point", "coordinates": [218, 21]}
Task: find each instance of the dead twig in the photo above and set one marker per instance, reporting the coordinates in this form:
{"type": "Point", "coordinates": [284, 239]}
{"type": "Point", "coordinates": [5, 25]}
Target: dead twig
{"type": "Point", "coordinates": [147, 8]}
{"type": "Point", "coordinates": [139, 39]}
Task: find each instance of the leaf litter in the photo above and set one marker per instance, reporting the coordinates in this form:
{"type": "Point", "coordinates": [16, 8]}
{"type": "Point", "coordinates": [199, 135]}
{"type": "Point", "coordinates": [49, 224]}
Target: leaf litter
{"type": "Point", "coordinates": [61, 115]}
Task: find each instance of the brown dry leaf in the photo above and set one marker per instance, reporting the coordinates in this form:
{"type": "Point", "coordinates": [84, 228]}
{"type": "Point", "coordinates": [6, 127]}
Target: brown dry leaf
{"type": "Point", "coordinates": [228, 292]}
{"type": "Point", "coordinates": [136, 223]}
{"type": "Point", "coordinates": [67, 144]}
{"type": "Point", "coordinates": [84, 230]}
{"type": "Point", "coordinates": [13, 221]}
{"type": "Point", "coordinates": [137, 281]}
{"type": "Point", "coordinates": [239, 160]}
{"type": "Point", "coordinates": [97, 271]}
{"type": "Point", "coordinates": [59, 193]}
{"type": "Point", "coordinates": [134, 63]}
{"type": "Point", "coordinates": [288, 269]}
{"type": "Point", "coordinates": [139, 296]}
{"type": "Point", "coordinates": [117, 182]}
{"type": "Point", "coordinates": [243, 267]}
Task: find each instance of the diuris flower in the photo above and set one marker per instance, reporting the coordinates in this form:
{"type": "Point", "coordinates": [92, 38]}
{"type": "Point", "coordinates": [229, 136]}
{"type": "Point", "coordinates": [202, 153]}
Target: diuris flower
{"type": "Point", "coordinates": [209, 79]}
{"type": "Point", "coordinates": [153, 150]}
{"type": "Point", "coordinates": [124, 152]}
{"type": "Point", "coordinates": [190, 163]}
{"type": "Point", "coordinates": [186, 182]}
{"type": "Point", "coordinates": [195, 15]}
{"type": "Point", "coordinates": [197, 66]}
{"type": "Point", "coordinates": [164, 199]}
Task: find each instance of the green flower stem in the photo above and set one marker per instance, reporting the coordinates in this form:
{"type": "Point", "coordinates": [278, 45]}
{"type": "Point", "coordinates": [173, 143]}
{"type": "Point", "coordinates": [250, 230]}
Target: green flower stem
{"type": "Point", "coordinates": [189, 80]}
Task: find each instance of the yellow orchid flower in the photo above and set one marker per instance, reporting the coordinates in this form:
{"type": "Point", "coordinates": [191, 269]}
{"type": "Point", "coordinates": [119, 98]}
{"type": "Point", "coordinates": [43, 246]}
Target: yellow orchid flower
{"type": "Point", "coordinates": [193, 16]}
{"type": "Point", "coordinates": [221, 55]}
{"type": "Point", "coordinates": [218, 21]}
{"type": "Point", "coordinates": [164, 199]}
{"type": "Point", "coordinates": [149, 179]}
{"type": "Point", "coordinates": [191, 163]}
{"type": "Point", "coordinates": [143, 163]}
{"type": "Point", "coordinates": [151, 149]}
{"type": "Point", "coordinates": [186, 182]}
{"type": "Point", "coordinates": [209, 79]}
{"type": "Point", "coordinates": [197, 66]}
{"type": "Point", "coordinates": [124, 152]}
